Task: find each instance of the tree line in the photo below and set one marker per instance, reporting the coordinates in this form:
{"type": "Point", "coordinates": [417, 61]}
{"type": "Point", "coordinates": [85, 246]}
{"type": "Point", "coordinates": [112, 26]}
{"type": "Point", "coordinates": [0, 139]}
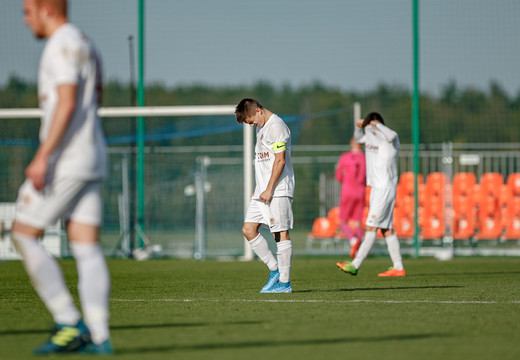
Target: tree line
{"type": "Point", "coordinates": [464, 115]}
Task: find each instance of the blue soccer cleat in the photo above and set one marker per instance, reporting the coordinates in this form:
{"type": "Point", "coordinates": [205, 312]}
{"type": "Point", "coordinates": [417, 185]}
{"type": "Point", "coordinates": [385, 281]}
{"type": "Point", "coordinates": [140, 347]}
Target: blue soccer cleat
{"type": "Point", "coordinates": [273, 279]}
{"type": "Point", "coordinates": [105, 348]}
{"type": "Point", "coordinates": [281, 287]}
{"type": "Point", "coordinates": [65, 339]}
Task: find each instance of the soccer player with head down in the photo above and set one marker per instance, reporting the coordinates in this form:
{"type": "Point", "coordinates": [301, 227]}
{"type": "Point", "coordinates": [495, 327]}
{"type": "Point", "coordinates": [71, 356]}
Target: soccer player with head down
{"type": "Point", "coordinates": [63, 181]}
{"type": "Point", "coordinates": [271, 202]}
{"type": "Point", "coordinates": [381, 148]}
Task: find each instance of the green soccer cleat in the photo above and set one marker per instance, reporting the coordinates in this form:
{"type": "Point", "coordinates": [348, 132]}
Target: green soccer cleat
{"type": "Point", "coordinates": [347, 267]}
{"type": "Point", "coordinates": [65, 339]}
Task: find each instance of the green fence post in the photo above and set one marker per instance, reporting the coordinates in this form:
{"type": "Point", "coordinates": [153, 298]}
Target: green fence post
{"type": "Point", "coordinates": [415, 121]}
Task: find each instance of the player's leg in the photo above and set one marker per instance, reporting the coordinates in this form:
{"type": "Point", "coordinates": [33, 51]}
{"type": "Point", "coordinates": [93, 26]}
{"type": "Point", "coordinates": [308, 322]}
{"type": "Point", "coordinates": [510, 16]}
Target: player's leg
{"type": "Point", "coordinates": [284, 256]}
{"type": "Point", "coordinates": [93, 276]}
{"type": "Point", "coordinates": [281, 220]}
{"type": "Point", "coordinates": [45, 274]}
{"type": "Point", "coordinates": [35, 211]}
{"type": "Point", "coordinates": [375, 215]}
{"type": "Point", "coordinates": [392, 243]}
{"type": "Point", "coordinates": [254, 218]}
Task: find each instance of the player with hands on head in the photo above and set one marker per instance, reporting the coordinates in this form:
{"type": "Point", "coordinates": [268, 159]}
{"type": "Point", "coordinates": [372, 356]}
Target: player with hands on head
{"type": "Point", "coordinates": [271, 202]}
{"type": "Point", "coordinates": [381, 149]}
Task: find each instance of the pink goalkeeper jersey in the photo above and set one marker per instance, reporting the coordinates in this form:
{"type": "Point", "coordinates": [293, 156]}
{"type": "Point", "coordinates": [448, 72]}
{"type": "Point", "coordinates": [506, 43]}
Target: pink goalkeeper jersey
{"type": "Point", "coordinates": [351, 173]}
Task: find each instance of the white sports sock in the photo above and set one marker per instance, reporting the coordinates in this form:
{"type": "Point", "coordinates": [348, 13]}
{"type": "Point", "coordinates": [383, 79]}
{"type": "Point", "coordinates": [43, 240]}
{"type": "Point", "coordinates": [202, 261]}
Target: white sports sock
{"type": "Point", "coordinates": [284, 256]}
{"type": "Point", "coordinates": [364, 248]}
{"type": "Point", "coordinates": [261, 249]}
{"type": "Point", "coordinates": [93, 288]}
{"type": "Point", "coordinates": [47, 279]}
{"type": "Point", "coordinates": [392, 243]}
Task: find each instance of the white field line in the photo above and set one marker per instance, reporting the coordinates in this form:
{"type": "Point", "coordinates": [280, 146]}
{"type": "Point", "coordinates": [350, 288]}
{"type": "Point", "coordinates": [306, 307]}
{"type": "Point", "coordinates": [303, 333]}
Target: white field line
{"type": "Point", "coordinates": [319, 301]}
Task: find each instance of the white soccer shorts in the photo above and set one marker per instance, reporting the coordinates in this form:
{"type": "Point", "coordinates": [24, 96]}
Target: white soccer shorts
{"type": "Point", "coordinates": [381, 208]}
{"type": "Point", "coordinates": [68, 199]}
{"type": "Point", "coordinates": [277, 216]}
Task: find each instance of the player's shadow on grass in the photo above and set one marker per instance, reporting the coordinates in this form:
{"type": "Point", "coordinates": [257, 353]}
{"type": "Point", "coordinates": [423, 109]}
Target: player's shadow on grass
{"type": "Point", "coordinates": [396, 288]}
{"type": "Point", "coordinates": [47, 331]}
{"type": "Point", "coordinates": [277, 343]}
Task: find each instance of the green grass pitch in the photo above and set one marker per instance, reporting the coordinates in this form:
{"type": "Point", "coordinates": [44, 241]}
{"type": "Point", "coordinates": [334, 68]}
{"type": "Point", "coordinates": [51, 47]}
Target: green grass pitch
{"type": "Point", "coordinates": [468, 308]}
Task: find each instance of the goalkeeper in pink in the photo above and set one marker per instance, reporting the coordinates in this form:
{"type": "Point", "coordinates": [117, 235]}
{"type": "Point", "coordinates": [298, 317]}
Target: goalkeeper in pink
{"type": "Point", "coordinates": [351, 173]}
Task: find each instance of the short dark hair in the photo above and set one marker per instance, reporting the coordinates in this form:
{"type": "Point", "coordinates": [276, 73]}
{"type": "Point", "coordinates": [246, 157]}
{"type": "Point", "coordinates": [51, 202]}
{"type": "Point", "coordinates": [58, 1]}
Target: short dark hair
{"type": "Point", "coordinates": [373, 116]}
{"type": "Point", "coordinates": [246, 108]}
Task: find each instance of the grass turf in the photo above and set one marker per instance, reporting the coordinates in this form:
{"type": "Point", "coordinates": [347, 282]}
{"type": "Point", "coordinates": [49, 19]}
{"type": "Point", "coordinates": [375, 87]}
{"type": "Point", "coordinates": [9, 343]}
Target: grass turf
{"type": "Point", "coordinates": [162, 309]}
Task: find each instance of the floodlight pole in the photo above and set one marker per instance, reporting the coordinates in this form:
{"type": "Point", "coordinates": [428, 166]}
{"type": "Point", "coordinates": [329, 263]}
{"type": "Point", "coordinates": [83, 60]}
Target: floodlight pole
{"type": "Point", "coordinates": [140, 129]}
{"type": "Point", "coordinates": [415, 122]}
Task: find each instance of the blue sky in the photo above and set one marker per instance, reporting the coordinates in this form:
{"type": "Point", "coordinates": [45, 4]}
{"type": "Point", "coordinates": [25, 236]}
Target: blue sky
{"type": "Point", "coordinates": [348, 44]}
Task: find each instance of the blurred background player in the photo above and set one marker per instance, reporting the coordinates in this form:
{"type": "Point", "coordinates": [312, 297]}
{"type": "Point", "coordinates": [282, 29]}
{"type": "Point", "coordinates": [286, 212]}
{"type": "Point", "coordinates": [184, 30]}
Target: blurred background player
{"type": "Point", "coordinates": [63, 181]}
{"type": "Point", "coordinates": [381, 147]}
{"type": "Point", "coordinates": [271, 202]}
{"type": "Point", "coordinates": [351, 173]}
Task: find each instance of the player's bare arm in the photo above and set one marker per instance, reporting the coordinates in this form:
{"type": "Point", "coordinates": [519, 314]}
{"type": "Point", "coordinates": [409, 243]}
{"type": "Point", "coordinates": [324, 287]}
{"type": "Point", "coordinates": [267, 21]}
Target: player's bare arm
{"type": "Point", "coordinates": [279, 163]}
{"type": "Point", "coordinates": [37, 169]}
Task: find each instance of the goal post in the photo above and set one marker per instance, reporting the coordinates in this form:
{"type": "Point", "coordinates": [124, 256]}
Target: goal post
{"type": "Point", "coordinates": [167, 111]}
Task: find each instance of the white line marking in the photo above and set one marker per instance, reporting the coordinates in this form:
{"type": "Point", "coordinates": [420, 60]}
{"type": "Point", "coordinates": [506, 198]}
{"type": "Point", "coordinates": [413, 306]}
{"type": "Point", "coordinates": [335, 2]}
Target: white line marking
{"type": "Point", "coordinates": [320, 301]}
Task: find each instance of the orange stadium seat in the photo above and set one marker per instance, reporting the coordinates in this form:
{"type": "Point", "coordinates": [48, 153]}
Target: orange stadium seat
{"type": "Point", "coordinates": [464, 205]}
{"type": "Point", "coordinates": [321, 229]}
{"type": "Point", "coordinates": [513, 182]}
{"type": "Point", "coordinates": [403, 226]}
{"type": "Point", "coordinates": [489, 228]}
{"type": "Point", "coordinates": [491, 182]}
{"type": "Point", "coordinates": [512, 229]}
{"type": "Point", "coordinates": [433, 228]}
{"type": "Point", "coordinates": [463, 227]}
{"type": "Point", "coordinates": [435, 184]}
{"type": "Point", "coordinates": [432, 221]}
{"type": "Point", "coordinates": [407, 182]}
{"type": "Point", "coordinates": [463, 183]}
{"type": "Point", "coordinates": [333, 216]}
{"type": "Point", "coordinates": [488, 206]}
{"type": "Point", "coordinates": [422, 194]}
{"type": "Point", "coordinates": [504, 196]}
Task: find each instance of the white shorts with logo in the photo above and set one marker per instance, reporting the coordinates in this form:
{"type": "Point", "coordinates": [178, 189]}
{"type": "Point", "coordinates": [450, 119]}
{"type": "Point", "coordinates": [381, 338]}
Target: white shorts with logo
{"type": "Point", "coordinates": [381, 208]}
{"type": "Point", "coordinates": [277, 216]}
{"type": "Point", "coordinates": [68, 199]}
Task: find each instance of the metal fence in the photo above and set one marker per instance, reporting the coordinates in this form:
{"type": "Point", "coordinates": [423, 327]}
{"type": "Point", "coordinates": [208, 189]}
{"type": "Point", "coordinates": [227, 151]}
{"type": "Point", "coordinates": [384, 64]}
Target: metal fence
{"type": "Point", "coordinates": [194, 204]}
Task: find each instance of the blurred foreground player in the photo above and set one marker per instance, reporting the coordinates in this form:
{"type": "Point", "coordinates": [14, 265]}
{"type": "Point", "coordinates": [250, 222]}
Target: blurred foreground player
{"type": "Point", "coordinates": [381, 147]}
{"type": "Point", "coordinates": [63, 181]}
{"type": "Point", "coordinates": [271, 203]}
{"type": "Point", "coordinates": [351, 173]}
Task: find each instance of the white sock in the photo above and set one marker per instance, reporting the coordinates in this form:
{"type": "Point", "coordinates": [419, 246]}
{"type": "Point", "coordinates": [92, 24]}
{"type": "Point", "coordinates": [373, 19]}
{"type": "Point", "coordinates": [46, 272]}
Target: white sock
{"type": "Point", "coordinates": [261, 249]}
{"type": "Point", "coordinates": [47, 279]}
{"type": "Point", "coordinates": [364, 248]}
{"type": "Point", "coordinates": [284, 256]}
{"type": "Point", "coordinates": [93, 288]}
{"type": "Point", "coordinates": [392, 243]}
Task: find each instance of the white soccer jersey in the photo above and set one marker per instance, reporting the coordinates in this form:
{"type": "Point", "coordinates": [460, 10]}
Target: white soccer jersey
{"type": "Point", "coordinates": [381, 147]}
{"type": "Point", "coordinates": [70, 58]}
{"type": "Point", "coordinates": [269, 139]}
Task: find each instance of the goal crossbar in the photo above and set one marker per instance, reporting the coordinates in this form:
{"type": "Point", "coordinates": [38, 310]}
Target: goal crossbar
{"type": "Point", "coordinates": [132, 111]}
